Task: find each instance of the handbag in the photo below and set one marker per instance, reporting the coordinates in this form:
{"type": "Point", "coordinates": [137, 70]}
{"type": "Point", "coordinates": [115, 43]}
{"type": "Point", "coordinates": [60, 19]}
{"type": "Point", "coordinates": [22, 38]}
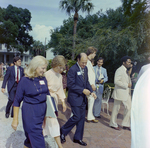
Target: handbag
{"type": "Point", "coordinates": [52, 110]}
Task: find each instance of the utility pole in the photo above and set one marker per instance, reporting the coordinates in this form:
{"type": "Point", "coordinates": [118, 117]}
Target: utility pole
{"type": "Point", "coordinates": [45, 48]}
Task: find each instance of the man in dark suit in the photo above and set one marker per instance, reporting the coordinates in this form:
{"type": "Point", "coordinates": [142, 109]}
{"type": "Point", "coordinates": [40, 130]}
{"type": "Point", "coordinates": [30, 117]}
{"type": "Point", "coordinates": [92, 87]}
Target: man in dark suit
{"type": "Point", "coordinates": [78, 87]}
{"type": "Point", "coordinates": [11, 78]}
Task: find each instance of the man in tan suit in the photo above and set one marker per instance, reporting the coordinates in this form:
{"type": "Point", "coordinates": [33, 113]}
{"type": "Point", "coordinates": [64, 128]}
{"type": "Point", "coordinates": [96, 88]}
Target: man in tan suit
{"type": "Point", "coordinates": [91, 52]}
{"type": "Point", "coordinates": [122, 94]}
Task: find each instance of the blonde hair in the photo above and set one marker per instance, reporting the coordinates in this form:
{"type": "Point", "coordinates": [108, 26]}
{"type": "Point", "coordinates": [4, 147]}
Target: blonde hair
{"type": "Point", "coordinates": [37, 61]}
{"type": "Point", "coordinates": [58, 60]}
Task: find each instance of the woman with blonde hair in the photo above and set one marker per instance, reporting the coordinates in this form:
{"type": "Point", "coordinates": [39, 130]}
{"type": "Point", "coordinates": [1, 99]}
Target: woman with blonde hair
{"type": "Point", "coordinates": [32, 90]}
{"type": "Point", "coordinates": [55, 86]}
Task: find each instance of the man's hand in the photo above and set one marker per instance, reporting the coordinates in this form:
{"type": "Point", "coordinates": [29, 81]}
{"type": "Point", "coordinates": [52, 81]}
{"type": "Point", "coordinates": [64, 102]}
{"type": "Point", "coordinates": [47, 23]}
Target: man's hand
{"type": "Point", "coordinates": [93, 87]}
{"type": "Point", "coordinates": [86, 92]}
{"type": "Point", "coordinates": [3, 90]}
{"type": "Point", "coordinates": [129, 85]}
{"type": "Point", "coordinates": [64, 106]}
{"type": "Point", "coordinates": [101, 81]}
{"type": "Point", "coordinates": [94, 95]}
{"type": "Point", "coordinates": [15, 124]}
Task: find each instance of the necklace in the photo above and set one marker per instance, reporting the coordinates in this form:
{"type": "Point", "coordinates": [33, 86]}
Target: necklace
{"type": "Point", "coordinates": [37, 88]}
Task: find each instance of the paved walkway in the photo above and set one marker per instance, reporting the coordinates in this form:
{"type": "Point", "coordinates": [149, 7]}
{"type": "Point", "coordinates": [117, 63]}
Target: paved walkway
{"type": "Point", "coordinates": [96, 135]}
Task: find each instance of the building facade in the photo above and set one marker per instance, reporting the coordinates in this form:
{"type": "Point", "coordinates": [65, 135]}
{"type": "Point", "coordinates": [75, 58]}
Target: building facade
{"type": "Point", "coordinates": [7, 56]}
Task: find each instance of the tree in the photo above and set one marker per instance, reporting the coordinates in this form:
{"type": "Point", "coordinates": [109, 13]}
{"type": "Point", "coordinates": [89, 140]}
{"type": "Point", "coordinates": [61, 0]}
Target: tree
{"type": "Point", "coordinates": [75, 6]}
{"type": "Point", "coordinates": [110, 32]}
{"type": "Point", "coordinates": [134, 9]}
{"type": "Point", "coordinates": [38, 48]}
{"type": "Point", "coordinates": [15, 27]}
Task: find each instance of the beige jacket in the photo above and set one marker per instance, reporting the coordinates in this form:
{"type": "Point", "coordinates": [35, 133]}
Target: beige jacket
{"type": "Point", "coordinates": [122, 79]}
{"type": "Point", "coordinates": [91, 73]}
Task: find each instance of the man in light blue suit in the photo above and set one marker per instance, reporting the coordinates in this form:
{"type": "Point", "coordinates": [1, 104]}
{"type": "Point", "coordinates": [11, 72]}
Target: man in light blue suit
{"type": "Point", "coordinates": [101, 78]}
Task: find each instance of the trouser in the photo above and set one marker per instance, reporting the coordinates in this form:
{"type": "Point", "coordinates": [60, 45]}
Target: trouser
{"type": "Point", "coordinates": [127, 113]}
{"type": "Point", "coordinates": [11, 99]}
{"type": "Point", "coordinates": [90, 115]}
{"type": "Point", "coordinates": [77, 119]}
{"type": "Point", "coordinates": [97, 104]}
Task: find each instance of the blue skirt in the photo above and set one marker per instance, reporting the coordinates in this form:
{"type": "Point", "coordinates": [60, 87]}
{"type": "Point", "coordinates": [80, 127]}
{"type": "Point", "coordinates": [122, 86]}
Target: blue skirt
{"type": "Point", "coordinates": [32, 118]}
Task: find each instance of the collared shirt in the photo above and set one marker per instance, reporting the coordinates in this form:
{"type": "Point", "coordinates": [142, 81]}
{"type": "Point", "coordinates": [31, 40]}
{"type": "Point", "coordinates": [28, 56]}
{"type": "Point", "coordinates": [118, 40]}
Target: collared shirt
{"type": "Point", "coordinates": [101, 75]}
{"type": "Point", "coordinates": [81, 69]}
{"type": "Point", "coordinates": [16, 73]}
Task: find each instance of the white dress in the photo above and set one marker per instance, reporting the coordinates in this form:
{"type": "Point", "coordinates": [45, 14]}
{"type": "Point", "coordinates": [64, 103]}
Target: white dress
{"type": "Point", "coordinates": [55, 86]}
{"type": "Point", "coordinates": [140, 113]}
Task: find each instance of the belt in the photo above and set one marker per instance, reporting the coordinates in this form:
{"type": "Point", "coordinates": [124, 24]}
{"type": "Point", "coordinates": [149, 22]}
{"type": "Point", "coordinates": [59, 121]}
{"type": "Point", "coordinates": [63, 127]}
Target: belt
{"type": "Point", "coordinates": [35, 103]}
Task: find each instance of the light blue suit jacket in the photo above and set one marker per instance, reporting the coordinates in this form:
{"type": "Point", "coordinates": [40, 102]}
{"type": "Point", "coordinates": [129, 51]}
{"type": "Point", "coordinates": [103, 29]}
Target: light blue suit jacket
{"type": "Point", "coordinates": [104, 72]}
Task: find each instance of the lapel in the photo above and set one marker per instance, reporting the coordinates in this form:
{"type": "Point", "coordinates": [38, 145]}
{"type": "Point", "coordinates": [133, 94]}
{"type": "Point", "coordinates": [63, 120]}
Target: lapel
{"type": "Point", "coordinates": [96, 67]}
{"type": "Point", "coordinates": [80, 76]}
{"type": "Point", "coordinates": [13, 70]}
{"type": "Point", "coordinates": [125, 74]}
{"type": "Point", "coordinates": [20, 71]}
{"type": "Point", "coordinates": [85, 73]}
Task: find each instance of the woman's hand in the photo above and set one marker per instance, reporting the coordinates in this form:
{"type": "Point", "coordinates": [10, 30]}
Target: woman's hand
{"type": "Point", "coordinates": [15, 124]}
{"type": "Point", "coordinates": [64, 106]}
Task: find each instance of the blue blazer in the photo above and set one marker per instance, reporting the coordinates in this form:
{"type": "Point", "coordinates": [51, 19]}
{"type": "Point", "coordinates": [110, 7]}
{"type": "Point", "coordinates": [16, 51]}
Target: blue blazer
{"type": "Point", "coordinates": [76, 84]}
{"type": "Point", "coordinates": [104, 72]}
{"type": "Point", "coordinates": [10, 77]}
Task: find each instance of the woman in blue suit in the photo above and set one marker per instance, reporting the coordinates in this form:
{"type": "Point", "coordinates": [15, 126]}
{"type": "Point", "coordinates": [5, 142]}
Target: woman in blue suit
{"type": "Point", "coordinates": [32, 89]}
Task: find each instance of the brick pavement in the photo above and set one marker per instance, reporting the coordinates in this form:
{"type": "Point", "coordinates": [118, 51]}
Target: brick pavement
{"type": "Point", "coordinates": [99, 135]}
{"type": "Point", "coordinates": [96, 135]}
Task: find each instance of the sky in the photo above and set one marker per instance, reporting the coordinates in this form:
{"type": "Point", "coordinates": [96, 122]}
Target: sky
{"type": "Point", "coordinates": [46, 14]}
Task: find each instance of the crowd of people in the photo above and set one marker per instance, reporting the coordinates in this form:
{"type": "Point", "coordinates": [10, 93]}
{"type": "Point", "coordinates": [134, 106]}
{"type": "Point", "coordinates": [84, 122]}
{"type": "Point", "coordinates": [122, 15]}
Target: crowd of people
{"type": "Point", "coordinates": [3, 68]}
{"type": "Point", "coordinates": [84, 83]}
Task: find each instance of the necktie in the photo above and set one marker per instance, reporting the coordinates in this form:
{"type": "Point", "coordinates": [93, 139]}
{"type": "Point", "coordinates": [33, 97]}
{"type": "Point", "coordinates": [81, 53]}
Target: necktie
{"type": "Point", "coordinates": [83, 72]}
{"type": "Point", "coordinates": [98, 73]}
{"type": "Point", "coordinates": [17, 74]}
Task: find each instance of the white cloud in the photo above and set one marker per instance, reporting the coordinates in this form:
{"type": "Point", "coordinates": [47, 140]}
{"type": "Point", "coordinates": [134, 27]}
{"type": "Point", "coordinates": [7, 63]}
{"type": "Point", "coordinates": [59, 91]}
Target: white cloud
{"type": "Point", "coordinates": [41, 32]}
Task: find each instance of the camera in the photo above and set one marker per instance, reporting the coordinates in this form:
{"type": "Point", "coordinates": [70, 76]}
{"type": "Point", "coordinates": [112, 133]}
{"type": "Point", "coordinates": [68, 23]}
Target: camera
{"type": "Point", "coordinates": [134, 63]}
{"type": "Point", "coordinates": [98, 82]}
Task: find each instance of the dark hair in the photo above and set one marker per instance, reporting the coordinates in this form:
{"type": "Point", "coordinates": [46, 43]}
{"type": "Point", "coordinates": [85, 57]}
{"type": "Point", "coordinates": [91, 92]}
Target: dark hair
{"type": "Point", "coordinates": [16, 59]}
{"type": "Point", "coordinates": [125, 58]}
{"type": "Point", "coordinates": [91, 50]}
{"type": "Point", "coordinates": [100, 58]}
{"type": "Point", "coordinates": [79, 56]}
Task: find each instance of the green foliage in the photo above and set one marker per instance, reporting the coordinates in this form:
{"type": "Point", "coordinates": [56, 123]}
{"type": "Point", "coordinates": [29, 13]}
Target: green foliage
{"type": "Point", "coordinates": [15, 27]}
{"type": "Point", "coordinates": [71, 63]}
{"type": "Point", "coordinates": [115, 33]}
{"type": "Point", "coordinates": [38, 48]}
{"type": "Point", "coordinates": [75, 6]}
{"type": "Point", "coordinates": [49, 64]}
{"type": "Point", "coordinates": [134, 9]}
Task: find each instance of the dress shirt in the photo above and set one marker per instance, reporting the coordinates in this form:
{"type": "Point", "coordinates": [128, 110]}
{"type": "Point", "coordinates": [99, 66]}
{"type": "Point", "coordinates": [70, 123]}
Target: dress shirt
{"type": "Point", "coordinates": [16, 73]}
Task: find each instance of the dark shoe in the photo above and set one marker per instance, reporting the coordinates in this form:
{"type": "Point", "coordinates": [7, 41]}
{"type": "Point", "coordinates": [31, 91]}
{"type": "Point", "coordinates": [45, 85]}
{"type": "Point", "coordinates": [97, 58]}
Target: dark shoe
{"type": "Point", "coordinates": [116, 128]}
{"type": "Point", "coordinates": [80, 142]}
{"type": "Point", "coordinates": [94, 121]}
{"type": "Point", "coordinates": [126, 128]}
{"type": "Point", "coordinates": [7, 115]}
{"type": "Point", "coordinates": [97, 116]}
{"type": "Point", "coordinates": [62, 137]}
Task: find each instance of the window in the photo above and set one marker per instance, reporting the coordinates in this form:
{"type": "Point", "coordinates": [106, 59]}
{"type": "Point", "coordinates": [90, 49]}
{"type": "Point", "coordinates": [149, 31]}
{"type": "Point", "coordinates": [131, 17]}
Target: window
{"type": "Point", "coordinates": [26, 59]}
{"type": "Point", "coordinates": [7, 58]}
